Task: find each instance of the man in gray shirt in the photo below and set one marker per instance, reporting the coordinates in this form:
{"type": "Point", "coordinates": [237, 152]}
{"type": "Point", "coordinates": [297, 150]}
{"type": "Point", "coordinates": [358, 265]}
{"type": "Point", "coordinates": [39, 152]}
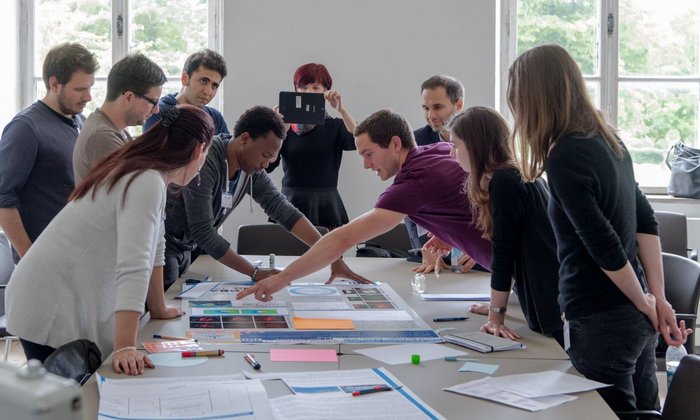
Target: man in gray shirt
{"type": "Point", "coordinates": [36, 148]}
{"type": "Point", "coordinates": [134, 85]}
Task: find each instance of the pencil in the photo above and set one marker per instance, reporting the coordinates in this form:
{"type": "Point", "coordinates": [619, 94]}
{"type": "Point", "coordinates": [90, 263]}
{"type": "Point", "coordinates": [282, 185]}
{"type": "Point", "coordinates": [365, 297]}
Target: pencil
{"type": "Point", "coordinates": [170, 337]}
{"type": "Point", "coordinates": [203, 353]}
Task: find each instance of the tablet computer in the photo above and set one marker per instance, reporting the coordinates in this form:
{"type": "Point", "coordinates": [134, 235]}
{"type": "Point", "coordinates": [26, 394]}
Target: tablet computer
{"type": "Point", "coordinates": [302, 108]}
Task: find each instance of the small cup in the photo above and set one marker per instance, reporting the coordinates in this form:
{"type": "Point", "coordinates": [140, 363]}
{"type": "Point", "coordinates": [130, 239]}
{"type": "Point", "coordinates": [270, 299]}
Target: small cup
{"type": "Point", "coordinates": [419, 283]}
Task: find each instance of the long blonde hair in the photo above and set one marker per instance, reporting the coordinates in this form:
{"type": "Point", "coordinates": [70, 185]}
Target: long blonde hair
{"type": "Point", "coordinates": [486, 135]}
{"type": "Point", "coordinates": [548, 98]}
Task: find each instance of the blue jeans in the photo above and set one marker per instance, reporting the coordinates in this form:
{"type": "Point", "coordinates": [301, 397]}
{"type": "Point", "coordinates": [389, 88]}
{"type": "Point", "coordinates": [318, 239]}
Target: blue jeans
{"type": "Point", "coordinates": [618, 347]}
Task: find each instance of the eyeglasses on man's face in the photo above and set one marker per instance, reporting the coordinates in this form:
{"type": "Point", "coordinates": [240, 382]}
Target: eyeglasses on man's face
{"type": "Point", "coordinates": [153, 102]}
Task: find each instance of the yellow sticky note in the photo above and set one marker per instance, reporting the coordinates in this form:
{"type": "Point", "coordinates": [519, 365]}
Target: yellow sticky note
{"type": "Point", "coordinates": [323, 324]}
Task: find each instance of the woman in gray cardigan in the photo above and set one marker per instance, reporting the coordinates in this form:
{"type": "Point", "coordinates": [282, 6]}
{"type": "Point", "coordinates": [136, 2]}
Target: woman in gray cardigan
{"type": "Point", "coordinates": [90, 272]}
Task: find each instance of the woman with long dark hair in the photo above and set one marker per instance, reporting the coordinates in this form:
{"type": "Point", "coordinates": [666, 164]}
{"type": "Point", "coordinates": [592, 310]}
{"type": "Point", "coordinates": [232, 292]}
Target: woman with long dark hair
{"type": "Point", "coordinates": [90, 272]}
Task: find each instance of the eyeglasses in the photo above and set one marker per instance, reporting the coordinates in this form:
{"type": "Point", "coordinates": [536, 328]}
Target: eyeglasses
{"type": "Point", "coordinates": [153, 102]}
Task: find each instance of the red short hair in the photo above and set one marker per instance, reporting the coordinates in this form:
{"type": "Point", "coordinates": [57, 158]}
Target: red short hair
{"type": "Point", "coordinates": [312, 73]}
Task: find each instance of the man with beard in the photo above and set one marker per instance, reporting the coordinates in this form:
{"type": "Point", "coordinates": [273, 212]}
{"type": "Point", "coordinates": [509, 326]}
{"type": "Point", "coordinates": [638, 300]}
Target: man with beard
{"type": "Point", "coordinates": [36, 148]}
{"type": "Point", "coordinates": [134, 85]}
{"type": "Point", "coordinates": [201, 78]}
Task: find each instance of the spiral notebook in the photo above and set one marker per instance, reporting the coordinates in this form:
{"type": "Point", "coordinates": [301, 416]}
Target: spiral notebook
{"type": "Point", "coordinates": [482, 342]}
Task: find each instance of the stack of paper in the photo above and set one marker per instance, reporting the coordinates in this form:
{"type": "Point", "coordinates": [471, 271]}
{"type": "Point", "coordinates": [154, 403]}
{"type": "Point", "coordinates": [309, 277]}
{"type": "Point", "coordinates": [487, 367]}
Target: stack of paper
{"type": "Point", "coordinates": [529, 391]}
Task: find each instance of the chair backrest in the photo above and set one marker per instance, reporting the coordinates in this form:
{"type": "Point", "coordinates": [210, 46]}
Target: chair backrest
{"type": "Point", "coordinates": [673, 232]}
{"type": "Point", "coordinates": [396, 238]}
{"type": "Point", "coordinates": [682, 287]}
{"type": "Point", "coordinates": [270, 238]}
{"type": "Point", "coordinates": [682, 400]}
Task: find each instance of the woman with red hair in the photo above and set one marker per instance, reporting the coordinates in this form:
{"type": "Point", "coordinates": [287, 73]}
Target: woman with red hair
{"type": "Point", "coordinates": [311, 154]}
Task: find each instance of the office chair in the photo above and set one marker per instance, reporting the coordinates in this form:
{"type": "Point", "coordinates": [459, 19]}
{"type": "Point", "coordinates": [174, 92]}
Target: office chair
{"type": "Point", "coordinates": [682, 402]}
{"type": "Point", "coordinates": [396, 240]}
{"type": "Point", "coordinates": [6, 268]}
{"type": "Point", "coordinates": [270, 239]}
{"type": "Point", "coordinates": [673, 233]}
{"type": "Point", "coordinates": [682, 288]}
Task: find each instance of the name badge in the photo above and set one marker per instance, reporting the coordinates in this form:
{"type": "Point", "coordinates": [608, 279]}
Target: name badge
{"type": "Point", "coordinates": [226, 200]}
{"type": "Point", "coordinates": [567, 336]}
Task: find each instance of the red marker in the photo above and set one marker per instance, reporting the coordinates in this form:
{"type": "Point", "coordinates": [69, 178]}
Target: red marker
{"type": "Point", "coordinates": [378, 388]}
{"type": "Point", "coordinates": [202, 353]}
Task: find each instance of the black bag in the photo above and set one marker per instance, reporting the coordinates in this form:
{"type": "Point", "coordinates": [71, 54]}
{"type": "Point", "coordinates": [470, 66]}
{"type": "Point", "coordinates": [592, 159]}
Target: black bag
{"type": "Point", "coordinates": [370, 249]}
{"type": "Point", "coordinates": [76, 360]}
{"type": "Point", "coordinates": [685, 171]}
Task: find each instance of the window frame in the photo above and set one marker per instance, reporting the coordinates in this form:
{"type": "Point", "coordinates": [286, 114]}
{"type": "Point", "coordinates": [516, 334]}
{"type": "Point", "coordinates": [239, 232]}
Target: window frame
{"type": "Point", "coordinates": [608, 54]}
{"type": "Point", "coordinates": [120, 45]}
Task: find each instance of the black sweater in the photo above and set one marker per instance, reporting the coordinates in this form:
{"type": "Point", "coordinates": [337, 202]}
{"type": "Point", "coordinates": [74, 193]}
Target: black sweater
{"type": "Point", "coordinates": [524, 247]}
{"type": "Point", "coordinates": [596, 210]}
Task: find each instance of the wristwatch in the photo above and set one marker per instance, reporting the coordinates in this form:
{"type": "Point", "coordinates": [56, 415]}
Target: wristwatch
{"type": "Point", "coordinates": [498, 309]}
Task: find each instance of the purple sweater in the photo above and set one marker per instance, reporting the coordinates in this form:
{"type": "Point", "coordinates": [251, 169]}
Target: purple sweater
{"type": "Point", "coordinates": [429, 189]}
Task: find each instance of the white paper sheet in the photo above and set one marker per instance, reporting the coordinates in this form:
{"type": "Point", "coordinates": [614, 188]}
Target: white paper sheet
{"type": "Point", "coordinates": [479, 297]}
{"type": "Point", "coordinates": [357, 315]}
{"type": "Point", "coordinates": [222, 397]}
{"type": "Point", "coordinates": [401, 353]}
{"type": "Point", "coordinates": [483, 388]}
{"type": "Point", "coordinates": [541, 384]}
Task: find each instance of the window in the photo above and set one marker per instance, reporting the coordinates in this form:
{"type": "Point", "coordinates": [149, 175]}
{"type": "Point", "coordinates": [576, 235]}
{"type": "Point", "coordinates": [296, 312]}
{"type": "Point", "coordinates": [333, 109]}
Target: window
{"type": "Point", "coordinates": [639, 58]}
{"type": "Point", "coordinates": [167, 31]}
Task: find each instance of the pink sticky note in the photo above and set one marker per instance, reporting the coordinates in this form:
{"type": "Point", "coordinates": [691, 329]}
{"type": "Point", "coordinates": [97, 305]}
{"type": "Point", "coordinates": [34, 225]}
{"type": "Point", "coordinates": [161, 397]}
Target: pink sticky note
{"type": "Point", "coordinates": [303, 355]}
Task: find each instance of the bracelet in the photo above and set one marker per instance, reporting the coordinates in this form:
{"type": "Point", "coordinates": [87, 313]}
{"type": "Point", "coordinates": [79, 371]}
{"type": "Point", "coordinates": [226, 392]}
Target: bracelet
{"type": "Point", "coordinates": [255, 273]}
{"type": "Point", "coordinates": [123, 349]}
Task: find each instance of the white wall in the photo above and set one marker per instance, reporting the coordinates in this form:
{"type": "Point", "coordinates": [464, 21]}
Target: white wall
{"type": "Point", "coordinates": [378, 52]}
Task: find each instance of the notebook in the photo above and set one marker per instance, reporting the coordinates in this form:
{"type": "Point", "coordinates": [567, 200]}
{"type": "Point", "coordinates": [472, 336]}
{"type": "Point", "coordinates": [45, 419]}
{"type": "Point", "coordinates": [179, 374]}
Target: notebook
{"type": "Point", "coordinates": [483, 342]}
{"type": "Point", "coordinates": [303, 108]}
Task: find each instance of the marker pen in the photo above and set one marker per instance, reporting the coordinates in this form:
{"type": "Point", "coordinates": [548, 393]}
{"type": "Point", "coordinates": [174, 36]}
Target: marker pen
{"type": "Point", "coordinates": [456, 318]}
{"type": "Point", "coordinates": [251, 361]}
{"type": "Point", "coordinates": [380, 388]}
{"type": "Point", "coordinates": [202, 353]}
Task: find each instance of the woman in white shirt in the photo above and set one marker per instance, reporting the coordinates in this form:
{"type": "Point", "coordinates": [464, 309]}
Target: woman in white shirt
{"type": "Point", "coordinates": [90, 272]}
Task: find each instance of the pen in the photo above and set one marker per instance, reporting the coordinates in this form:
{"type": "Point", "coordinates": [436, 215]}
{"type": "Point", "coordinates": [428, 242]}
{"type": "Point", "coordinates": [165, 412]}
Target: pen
{"type": "Point", "coordinates": [371, 390]}
{"type": "Point", "coordinates": [251, 361]}
{"type": "Point", "coordinates": [170, 337]}
{"type": "Point", "coordinates": [202, 353]}
{"type": "Point", "coordinates": [456, 318]}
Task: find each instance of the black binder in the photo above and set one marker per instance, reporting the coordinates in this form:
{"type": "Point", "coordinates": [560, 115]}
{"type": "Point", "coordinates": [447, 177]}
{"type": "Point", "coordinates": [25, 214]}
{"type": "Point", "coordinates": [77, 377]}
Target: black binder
{"type": "Point", "coordinates": [303, 108]}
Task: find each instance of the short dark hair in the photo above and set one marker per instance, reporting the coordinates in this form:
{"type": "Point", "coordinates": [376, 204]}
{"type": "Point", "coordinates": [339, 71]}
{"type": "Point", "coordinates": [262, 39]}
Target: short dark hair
{"type": "Point", "coordinates": [211, 60]}
{"type": "Point", "coordinates": [453, 87]}
{"type": "Point", "coordinates": [135, 73]}
{"type": "Point", "coordinates": [65, 59]}
{"type": "Point", "coordinates": [312, 73]}
{"type": "Point", "coordinates": [258, 121]}
{"type": "Point", "coordinates": [382, 125]}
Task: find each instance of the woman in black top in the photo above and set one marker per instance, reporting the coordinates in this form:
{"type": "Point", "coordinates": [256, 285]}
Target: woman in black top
{"type": "Point", "coordinates": [513, 214]}
{"type": "Point", "coordinates": [311, 154]}
{"type": "Point", "coordinates": [611, 286]}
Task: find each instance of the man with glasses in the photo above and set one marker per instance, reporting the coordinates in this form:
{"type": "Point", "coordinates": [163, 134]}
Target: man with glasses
{"type": "Point", "coordinates": [201, 78]}
{"type": "Point", "coordinates": [36, 147]}
{"type": "Point", "coordinates": [134, 85]}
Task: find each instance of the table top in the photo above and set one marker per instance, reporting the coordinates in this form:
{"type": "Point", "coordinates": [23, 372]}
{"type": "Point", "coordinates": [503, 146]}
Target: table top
{"type": "Point", "coordinates": [426, 380]}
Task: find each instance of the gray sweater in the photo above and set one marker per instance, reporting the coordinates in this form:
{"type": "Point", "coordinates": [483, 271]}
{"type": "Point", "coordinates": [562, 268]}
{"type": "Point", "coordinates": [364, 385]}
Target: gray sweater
{"type": "Point", "coordinates": [93, 259]}
{"type": "Point", "coordinates": [194, 213]}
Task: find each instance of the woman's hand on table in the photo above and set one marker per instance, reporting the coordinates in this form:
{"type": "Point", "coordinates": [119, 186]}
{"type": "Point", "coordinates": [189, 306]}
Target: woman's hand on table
{"type": "Point", "coordinates": [428, 263]}
{"type": "Point", "coordinates": [499, 329]}
{"type": "Point", "coordinates": [168, 312]}
{"type": "Point", "coordinates": [130, 361]}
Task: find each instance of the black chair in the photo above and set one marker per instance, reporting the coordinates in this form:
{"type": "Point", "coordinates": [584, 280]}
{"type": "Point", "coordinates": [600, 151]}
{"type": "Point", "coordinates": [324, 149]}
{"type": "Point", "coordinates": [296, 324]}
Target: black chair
{"type": "Point", "coordinates": [673, 233]}
{"type": "Point", "coordinates": [682, 287]}
{"type": "Point", "coordinates": [396, 239]}
{"type": "Point", "coordinates": [6, 268]}
{"type": "Point", "coordinates": [682, 401]}
{"type": "Point", "coordinates": [270, 238]}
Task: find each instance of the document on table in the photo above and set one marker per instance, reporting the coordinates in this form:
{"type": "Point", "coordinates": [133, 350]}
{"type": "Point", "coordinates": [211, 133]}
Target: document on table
{"type": "Point", "coordinates": [542, 384]}
{"type": "Point", "coordinates": [358, 315]}
{"type": "Point", "coordinates": [328, 394]}
{"type": "Point", "coordinates": [203, 397]}
{"type": "Point", "coordinates": [482, 388]}
{"type": "Point", "coordinates": [199, 289]}
{"type": "Point", "coordinates": [401, 353]}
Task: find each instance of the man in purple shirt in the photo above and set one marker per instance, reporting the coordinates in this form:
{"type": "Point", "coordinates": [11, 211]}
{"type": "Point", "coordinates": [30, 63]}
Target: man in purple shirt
{"type": "Point", "coordinates": [428, 187]}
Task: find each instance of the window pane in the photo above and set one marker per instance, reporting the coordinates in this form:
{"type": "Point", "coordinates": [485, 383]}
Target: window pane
{"type": "Point", "coordinates": [88, 22]}
{"type": "Point", "coordinates": [9, 73]}
{"type": "Point", "coordinates": [653, 116]}
{"type": "Point", "coordinates": [658, 38]}
{"type": "Point", "coordinates": [571, 24]}
{"type": "Point", "coordinates": [594, 92]}
{"type": "Point", "coordinates": [168, 31]}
